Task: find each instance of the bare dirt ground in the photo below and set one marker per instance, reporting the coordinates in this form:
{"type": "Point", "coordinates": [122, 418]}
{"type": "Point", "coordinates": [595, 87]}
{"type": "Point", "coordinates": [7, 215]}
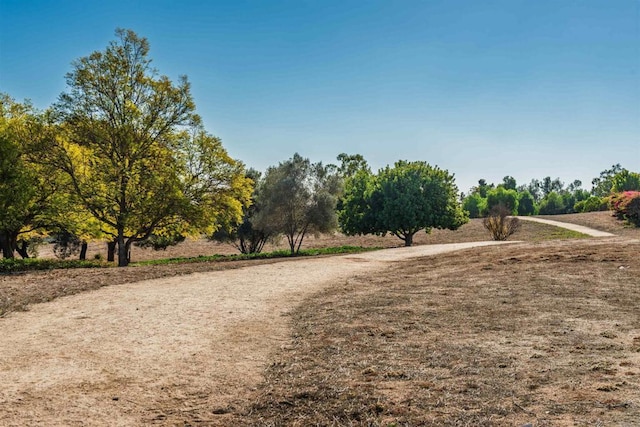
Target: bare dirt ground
{"type": "Point", "coordinates": [544, 332]}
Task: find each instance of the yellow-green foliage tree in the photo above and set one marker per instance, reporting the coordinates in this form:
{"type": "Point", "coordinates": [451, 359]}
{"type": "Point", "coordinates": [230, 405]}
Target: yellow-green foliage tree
{"type": "Point", "coordinates": [30, 187]}
{"type": "Point", "coordinates": [135, 152]}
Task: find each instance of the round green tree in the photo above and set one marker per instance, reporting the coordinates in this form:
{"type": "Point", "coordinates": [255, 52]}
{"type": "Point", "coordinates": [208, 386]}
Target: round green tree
{"type": "Point", "coordinates": [401, 200]}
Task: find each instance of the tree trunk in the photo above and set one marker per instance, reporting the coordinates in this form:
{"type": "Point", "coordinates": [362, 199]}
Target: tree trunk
{"type": "Point", "coordinates": [123, 255]}
{"type": "Point", "coordinates": [83, 250]}
{"type": "Point", "coordinates": [22, 249]}
{"type": "Point", "coordinates": [111, 251]}
{"type": "Point", "coordinates": [292, 244]}
{"type": "Point", "coordinates": [408, 239]}
{"type": "Point", "coordinates": [5, 243]}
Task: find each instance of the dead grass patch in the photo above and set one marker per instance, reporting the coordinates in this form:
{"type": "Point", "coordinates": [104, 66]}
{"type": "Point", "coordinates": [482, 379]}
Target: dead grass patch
{"type": "Point", "coordinates": [546, 333]}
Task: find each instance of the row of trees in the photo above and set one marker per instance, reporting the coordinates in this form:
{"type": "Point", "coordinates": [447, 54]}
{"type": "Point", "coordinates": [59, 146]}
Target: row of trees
{"type": "Point", "coordinates": [549, 196]}
{"type": "Point", "coordinates": [123, 157]}
{"type": "Point", "coordinates": [298, 197]}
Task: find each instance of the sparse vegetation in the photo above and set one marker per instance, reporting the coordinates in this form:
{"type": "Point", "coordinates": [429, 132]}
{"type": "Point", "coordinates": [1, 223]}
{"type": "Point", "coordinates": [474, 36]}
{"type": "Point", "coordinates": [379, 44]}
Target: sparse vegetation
{"type": "Point", "coordinates": [500, 225]}
{"type": "Point", "coordinates": [13, 265]}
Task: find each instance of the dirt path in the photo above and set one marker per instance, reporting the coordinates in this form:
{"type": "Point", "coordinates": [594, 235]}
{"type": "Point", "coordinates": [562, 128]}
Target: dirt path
{"type": "Point", "coordinates": [163, 350]}
{"type": "Point", "coordinates": [575, 227]}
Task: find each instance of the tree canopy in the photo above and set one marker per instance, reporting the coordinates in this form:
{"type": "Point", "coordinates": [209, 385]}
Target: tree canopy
{"type": "Point", "coordinates": [30, 188]}
{"type": "Point", "coordinates": [297, 198]}
{"type": "Point", "coordinates": [401, 200]}
{"type": "Point", "coordinates": [135, 152]}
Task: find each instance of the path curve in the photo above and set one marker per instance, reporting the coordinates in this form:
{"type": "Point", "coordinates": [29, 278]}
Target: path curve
{"type": "Point", "coordinates": [574, 227]}
{"type": "Point", "coordinates": [164, 350]}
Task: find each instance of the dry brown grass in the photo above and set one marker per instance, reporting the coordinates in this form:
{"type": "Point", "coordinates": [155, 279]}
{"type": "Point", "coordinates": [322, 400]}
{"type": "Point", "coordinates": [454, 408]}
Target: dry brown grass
{"type": "Point", "coordinates": [545, 333]}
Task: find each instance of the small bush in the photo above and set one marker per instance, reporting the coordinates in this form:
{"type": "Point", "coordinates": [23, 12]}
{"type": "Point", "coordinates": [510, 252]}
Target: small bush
{"type": "Point", "coordinates": [161, 242]}
{"type": "Point", "coordinates": [500, 224]}
{"type": "Point", "coordinates": [626, 206]}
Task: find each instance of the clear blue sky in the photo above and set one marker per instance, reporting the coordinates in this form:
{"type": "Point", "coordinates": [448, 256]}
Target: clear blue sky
{"type": "Point", "coordinates": [527, 88]}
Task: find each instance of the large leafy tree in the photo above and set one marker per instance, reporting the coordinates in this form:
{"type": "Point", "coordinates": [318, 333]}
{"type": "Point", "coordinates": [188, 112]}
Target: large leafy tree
{"type": "Point", "coordinates": [31, 190]}
{"type": "Point", "coordinates": [299, 198]}
{"type": "Point", "coordinates": [401, 200]}
{"type": "Point", "coordinates": [135, 152]}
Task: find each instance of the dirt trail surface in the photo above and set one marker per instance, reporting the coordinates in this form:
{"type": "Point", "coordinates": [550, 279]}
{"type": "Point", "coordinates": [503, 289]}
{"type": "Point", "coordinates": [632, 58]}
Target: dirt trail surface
{"type": "Point", "coordinates": [574, 227]}
{"type": "Point", "coordinates": [152, 352]}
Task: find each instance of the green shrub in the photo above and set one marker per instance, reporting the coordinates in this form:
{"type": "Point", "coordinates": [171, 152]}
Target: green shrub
{"type": "Point", "coordinates": [65, 244]}
{"type": "Point", "coordinates": [14, 265]}
{"type": "Point", "coordinates": [161, 242]}
{"type": "Point", "coordinates": [592, 204]}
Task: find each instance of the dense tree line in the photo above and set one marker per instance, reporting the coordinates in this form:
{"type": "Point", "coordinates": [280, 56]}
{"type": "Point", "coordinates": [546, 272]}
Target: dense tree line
{"type": "Point", "coordinates": [550, 196]}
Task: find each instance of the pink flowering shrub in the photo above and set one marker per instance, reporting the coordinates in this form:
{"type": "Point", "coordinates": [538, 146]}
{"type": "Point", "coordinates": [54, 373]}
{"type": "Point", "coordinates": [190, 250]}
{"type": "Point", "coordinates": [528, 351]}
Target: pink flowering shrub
{"type": "Point", "coordinates": [626, 206]}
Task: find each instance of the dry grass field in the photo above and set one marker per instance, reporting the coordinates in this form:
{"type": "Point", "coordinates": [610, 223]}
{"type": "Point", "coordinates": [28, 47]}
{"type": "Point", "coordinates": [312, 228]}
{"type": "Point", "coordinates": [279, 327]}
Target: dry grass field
{"type": "Point", "coordinates": [544, 332]}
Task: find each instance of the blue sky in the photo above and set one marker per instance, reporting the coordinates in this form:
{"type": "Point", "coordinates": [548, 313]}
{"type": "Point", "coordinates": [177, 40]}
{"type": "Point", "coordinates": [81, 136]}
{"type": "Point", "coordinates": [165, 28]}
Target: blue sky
{"type": "Point", "coordinates": [528, 88]}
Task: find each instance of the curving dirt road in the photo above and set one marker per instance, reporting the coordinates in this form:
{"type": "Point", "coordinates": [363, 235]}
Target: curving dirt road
{"type": "Point", "coordinates": [123, 355]}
